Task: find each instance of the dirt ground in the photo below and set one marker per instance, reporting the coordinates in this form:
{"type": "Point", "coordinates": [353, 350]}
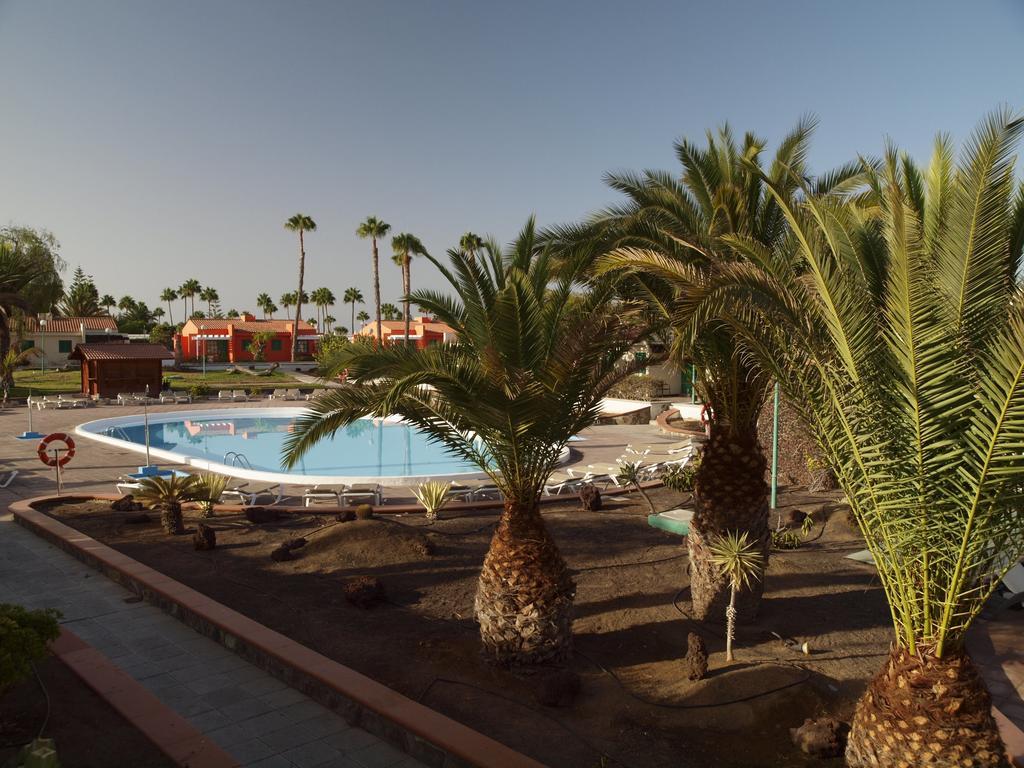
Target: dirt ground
{"type": "Point", "coordinates": [87, 731]}
{"type": "Point", "coordinates": [636, 707]}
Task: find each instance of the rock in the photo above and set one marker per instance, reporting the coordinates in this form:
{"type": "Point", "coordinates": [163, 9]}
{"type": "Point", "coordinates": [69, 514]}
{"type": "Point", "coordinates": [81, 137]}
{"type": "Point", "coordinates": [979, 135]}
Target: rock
{"type": "Point", "coordinates": [137, 519]}
{"type": "Point", "coordinates": [345, 517]}
{"type": "Point", "coordinates": [696, 661]}
{"type": "Point", "coordinates": [205, 538]}
{"type": "Point", "coordinates": [280, 554]}
{"type": "Point", "coordinates": [260, 515]}
{"type": "Point", "coordinates": [126, 503]}
{"type": "Point", "coordinates": [364, 591]}
{"type": "Point", "coordinates": [298, 543]}
{"type": "Point", "coordinates": [795, 518]}
{"type": "Point", "coordinates": [364, 512]}
{"type": "Point", "coordinates": [590, 498]}
{"type": "Point", "coordinates": [559, 689]}
{"type": "Point", "coordinates": [823, 738]}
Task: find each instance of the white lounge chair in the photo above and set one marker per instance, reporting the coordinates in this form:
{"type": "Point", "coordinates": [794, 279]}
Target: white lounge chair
{"type": "Point", "coordinates": [239, 395]}
{"type": "Point", "coordinates": [361, 493]}
{"type": "Point", "coordinates": [460, 492]}
{"type": "Point", "coordinates": [10, 479]}
{"type": "Point", "coordinates": [487, 492]}
{"type": "Point", "coordinates": [251, 496]}
{"type": "Point", "coordinates": [168, 396]}
{"type": "Point", "coordinates": [322, 493]}
{"type": "Point", "coordinates": [226, 394]}
{"type": "Point", "coordinates": [278, 394]}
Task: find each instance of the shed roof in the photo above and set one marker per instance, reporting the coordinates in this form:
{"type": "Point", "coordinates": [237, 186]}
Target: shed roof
{"type": "Point", "coordinates": [72, 324]}
{"type": "Point", "coordinates": [121, 352]}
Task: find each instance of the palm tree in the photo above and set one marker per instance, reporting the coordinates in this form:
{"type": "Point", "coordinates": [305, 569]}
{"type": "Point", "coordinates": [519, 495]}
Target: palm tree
{"type": "Point", "coordinates": [363, 316]}
{"type": "Point", "coordinates": [898, 330]}
{"type": "Point", "coordinates": [126, 304]}
{"type": "Point", "coordinates": [264, 302]}
{"type": "Point", "coordinates": [532, 364]}
{"type": "Point", "coordinates": [670, 226]}
{"type": "Point", "coordinates": [210, 296]}
{"type": "Point", "coordinates": [107, 302]}
{"type": "Point", "coordinates": [470, 243]}
{"type": "Point", "coordinates": [167, 494]}
{"type": "Point", "coordinates": [375, 229]}
{"type": "Point", "coordinates": [329, 321]}
{"type": "Point", "coordinates": [188, 290]}
{"type": "Point", "coordinates": [389, 311]}
{"type": "Point", "coordinates": [300, 223]}
{"type": "Point", "coordinates": [405, 246]}
{"type": "Point", "coordinates": [207, 490]}
{"type": "Point", "coordinates": [9, 363]}
{"type": "Point", "coordinates": [287, 300]}
{"type": "Point", "coordinates": [168, 295]}
{"type": "Point", "coordinates": [353, 296]}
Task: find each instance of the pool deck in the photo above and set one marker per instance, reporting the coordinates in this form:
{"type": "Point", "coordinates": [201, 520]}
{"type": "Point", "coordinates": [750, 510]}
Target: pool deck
{"type": "Point", "coordinates": [96, 466]}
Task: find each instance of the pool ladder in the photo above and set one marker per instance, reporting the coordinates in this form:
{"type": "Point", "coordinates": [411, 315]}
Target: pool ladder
{"type": "Point", "coordinates": [236, 459]}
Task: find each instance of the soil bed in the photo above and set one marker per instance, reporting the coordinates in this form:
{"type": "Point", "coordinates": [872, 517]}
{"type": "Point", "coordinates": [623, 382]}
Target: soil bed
{"type": "Point", "coordinates": [87, 731]}
{"type": "Point", "coordinates": [636, 706]}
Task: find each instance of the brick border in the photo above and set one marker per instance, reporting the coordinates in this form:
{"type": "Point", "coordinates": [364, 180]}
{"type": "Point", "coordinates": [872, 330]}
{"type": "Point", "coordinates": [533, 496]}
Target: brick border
{"type": "Point", "coordinates": [177, 738]}
{"type": "Point", "coordinates": [427, 735]}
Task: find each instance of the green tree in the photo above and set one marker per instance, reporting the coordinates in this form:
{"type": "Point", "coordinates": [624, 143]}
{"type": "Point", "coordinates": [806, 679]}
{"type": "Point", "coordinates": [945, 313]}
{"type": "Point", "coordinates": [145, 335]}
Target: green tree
{"type": "Point", "coordinates": [470, 244]}
{"type": "Point", "coordinates": [9, 363]}
{"type": "Point", "coordinates": [329, 321]}
{"type": "Point", "coordinates": [258, 344]}
{"type": "Point", "coordinates": [533, 361]}
{"type": "Point", "coordinates": [353, 296]}
{"type": "Point", "coordinates": [741, 563]}
{"type": "Point", "coordinates": [232, 313]}
{"type": "Point", "coordinates": [81, 298]}
{"type": "Point", "coordinates": [167, 494]}
{"type": "Point", "coordinates": [108, 302]}
{"type": "Point", "coordinates": [188, 290]}
{"type": "Point", "coordinates": [288, 301]}
{"type": "Point", "coordinates": [302, 224]}
{"type": "Point", "coordinates": [898, 331]}
{"type": "Point", "coordinates": [264, 302]}
{"type": "Point", "coordinates": [25, 636]}
{"type": "Point", "coordinates": [375, 229]}
{"type": "Point", "coordinates": [29, 277]}
{"type": "Point", "coordinates": [162, 333]}
{"type": "Point", "coordinates": [672, 225]}
{"type": "Point", "coordinates": [168, 295]}
{"type": "Point", "coordinates": [211, 297]}
{"type": "Point", "coordinates": [362, 317]}
{"type": "Point", "coordinates": [389, 312]}
{"type": "Point", "coordinates": [405, 246]}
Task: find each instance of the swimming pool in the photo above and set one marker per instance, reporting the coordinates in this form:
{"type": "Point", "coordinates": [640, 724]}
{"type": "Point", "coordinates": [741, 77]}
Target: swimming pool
{"type": "Point", "coordinates": [247, 443]}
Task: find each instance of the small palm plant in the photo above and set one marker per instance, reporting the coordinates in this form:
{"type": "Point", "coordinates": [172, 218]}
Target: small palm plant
{"type": "Point", "coordinates": [535, 355]}
{"type": "Point", "coordinates": [740, 561]}
{"type": "Point", "coordinates": [433, 495]}
{"type": "Point", "coordinates": [167, 494]}
{"type": "Point", "coordinates": [9, 363]}
{"type": "Point", "coordinates": [207, 490]}
{"type": "Point", "coordinates": [631, 473]}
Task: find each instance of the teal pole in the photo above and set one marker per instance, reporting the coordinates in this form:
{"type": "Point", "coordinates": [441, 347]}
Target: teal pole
{"type": "Point", "coordinates": [693, 383]}
{"type": "Point", "coordinates": [775, 448]}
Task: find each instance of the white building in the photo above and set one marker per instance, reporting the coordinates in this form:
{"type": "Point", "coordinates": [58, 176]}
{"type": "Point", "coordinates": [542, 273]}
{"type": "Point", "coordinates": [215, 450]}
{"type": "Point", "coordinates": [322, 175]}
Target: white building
{"type": "Point", "coordinates": [56, 337]}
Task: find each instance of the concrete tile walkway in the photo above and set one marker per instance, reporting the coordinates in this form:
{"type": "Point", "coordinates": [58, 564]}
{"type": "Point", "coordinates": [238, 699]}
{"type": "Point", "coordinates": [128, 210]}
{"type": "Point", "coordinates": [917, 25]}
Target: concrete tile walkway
{"type": "Point", "coordinates": [254, 717]}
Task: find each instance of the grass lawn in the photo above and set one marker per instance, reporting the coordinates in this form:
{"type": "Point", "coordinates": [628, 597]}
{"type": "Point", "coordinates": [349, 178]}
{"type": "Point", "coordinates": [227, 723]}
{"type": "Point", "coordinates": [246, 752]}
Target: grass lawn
{"type": "Point", "coordinates": [54, 382]}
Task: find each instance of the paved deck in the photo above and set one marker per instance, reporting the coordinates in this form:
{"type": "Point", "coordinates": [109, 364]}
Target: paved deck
{"type": "Point", "coordinates": [254, 717]}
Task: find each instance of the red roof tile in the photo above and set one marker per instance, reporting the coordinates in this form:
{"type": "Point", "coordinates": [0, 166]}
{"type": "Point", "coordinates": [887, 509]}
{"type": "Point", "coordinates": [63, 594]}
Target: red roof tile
{"type": "Point", "coordinates": [220, 325]}
{"type": "Point", "coordinates": [121, 352]}
{"type": "Point", "coordinates": [72, 324]}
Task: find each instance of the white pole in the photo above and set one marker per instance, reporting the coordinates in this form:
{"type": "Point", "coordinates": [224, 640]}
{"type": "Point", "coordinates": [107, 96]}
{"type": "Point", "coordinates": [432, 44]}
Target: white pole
{"type": "Point", "coordinates": [145, 410]}
{"type": "Point", "coordinates": [30, 410]}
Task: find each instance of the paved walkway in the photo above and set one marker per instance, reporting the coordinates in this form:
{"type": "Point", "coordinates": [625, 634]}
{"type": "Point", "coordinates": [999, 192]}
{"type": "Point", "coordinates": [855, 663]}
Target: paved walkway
{"type": "Point", "coordinates": [254, 717]}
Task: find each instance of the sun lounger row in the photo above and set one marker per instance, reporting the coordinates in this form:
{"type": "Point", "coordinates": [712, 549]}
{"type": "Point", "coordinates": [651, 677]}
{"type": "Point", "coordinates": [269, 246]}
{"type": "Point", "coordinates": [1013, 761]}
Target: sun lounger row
{"type": "Point", "coordinates": [61, 401]}
{"type": "Point", "coordinates": [288, 394]}
{"type": "Point", "coordinates": [344, 495]}
{"type": "Point", "coordinates": [169, 396]}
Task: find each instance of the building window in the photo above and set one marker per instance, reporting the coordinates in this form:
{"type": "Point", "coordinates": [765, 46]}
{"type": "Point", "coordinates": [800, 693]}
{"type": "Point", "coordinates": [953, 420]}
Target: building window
{"type": "Point", "coordinates": [246, 343]}
{"type": "Point", "coordinates": [64, 346]}
{"type": "Point", "coordinates": [275, 345]}
{"type": "Point", "coordinates": [26, 345]}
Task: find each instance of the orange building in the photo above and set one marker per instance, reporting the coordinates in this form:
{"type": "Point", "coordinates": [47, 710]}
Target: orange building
{"type": "Point", "coordinates": [423, 331]}
{"type": "Point", "coordinates": [230, 340]}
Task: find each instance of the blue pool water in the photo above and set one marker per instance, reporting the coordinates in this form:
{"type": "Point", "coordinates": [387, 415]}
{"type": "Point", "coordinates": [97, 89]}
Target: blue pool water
{"type": "Point", "coordinates": [366, 448]}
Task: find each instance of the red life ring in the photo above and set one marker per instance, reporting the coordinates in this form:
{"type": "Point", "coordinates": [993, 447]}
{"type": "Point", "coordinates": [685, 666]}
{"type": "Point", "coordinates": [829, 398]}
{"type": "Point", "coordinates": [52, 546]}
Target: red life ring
{"type": "Point", "coordinates": [47, 458]}
{"type": "Point", "coordinates": [707, 415]}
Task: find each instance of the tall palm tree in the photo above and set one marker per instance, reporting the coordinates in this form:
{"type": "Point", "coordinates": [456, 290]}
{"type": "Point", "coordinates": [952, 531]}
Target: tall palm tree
{"type": "Point", "coordinates": [375, 229]}
{"type": "Point", "coordinates": [362, 317]}
{"type": "Point", "coordinates": [405, 246]}
{"type": "Point", "coordinates": [288, 300]}
{"type": "Point", "coordinates": [210, 296]}
{"type": "Point", "coordinates": [470, 243]}
{"type": "Point", "coordinates": [353, 296]}
{"type": "Point", "coordinates": [168, 295]}
{"type": "Point", "coordinates": [302, 224]}
{"type": "Point", "coordinates": [898, 330]}
{"type": "Point", "coordinates": [329, 321]}
{"type": "Point", "coordinates": [389, 311]}
{"type": "Point", "coordinates": [264, 302]}
{"type": "Point", "coordinates": [672, 225]}
{"type": "Point", "coordinates": [188, 290]}
{"type": "Point", "coordinates": [107, 301]}
{"type": "Point", "coordinates": [532, 364]}
{"type": "Point", "coordinates": [126, 304]}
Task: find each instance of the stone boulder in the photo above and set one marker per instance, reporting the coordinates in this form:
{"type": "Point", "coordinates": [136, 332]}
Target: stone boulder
{"type": "Point", "coordinates": [590, 498]}
{"type": "Point", "coordinates": [364, 591]}
{"type": "Point", "coordinates": [696, 661]}
{"type": "Point", "coordinates": [205, 538]}
{"type": "Point", "coordinates": [260, 515]}
{"type": "Point", "coordinates": [126, 503]}
{"type": "Point", "coordinates": [824, 738]}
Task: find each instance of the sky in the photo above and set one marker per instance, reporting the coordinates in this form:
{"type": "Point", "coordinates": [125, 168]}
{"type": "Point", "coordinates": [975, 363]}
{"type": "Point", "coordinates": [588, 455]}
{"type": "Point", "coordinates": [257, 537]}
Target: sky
{"type": "Point", "coordinates": [160, 141]}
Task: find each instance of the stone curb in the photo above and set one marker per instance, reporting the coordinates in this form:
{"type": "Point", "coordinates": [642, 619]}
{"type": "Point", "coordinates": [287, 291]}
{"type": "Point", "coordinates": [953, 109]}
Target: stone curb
{"type": "Point", "coordinates": [427, 735]}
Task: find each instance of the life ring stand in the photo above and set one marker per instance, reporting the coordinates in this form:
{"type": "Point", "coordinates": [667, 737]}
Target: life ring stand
{"type": "Point", "coordinates": [50, 460]}
{"type": "Point", "coordinates": [707, 415]}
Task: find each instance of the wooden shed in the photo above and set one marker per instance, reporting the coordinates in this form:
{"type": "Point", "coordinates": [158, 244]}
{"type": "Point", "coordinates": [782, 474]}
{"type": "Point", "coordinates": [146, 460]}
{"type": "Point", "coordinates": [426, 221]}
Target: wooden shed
{"type": "Point", "coordinates": [110, 369]}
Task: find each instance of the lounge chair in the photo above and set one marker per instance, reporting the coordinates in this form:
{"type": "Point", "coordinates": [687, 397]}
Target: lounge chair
{"type": "Point", "coordinates": [291, 394]}
{"type": "Point", "coordinates": [239, 395]}
{"type": "Point", "coordinates": [168, 396]}
{"type": "Point", "coordinates": [460, 492]}
{"type": "Point", "coordinates": [251, 496]}
{"type": "Point", "coordinates": [361, 493]}
{"type": "Point", "coordinates": [320, 493]}
{"type": "Point", "coordinates": [9, 479]}
{"type": "Point", "coordinates": [225, 394]}
{"type": "Point", "coordinates": [278, 394]}
{"type": "Point", "coordinates": [487, 492]}
{"type": "Point", "coordinates": [45, 402]}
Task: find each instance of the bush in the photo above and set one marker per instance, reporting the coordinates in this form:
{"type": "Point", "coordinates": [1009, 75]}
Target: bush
{"type": "Point", "coordinates": [24, 635]}
{"type": "Point", "coordinates": [364, 512]}
{"type": "Point", "coordinates": [199, 391]}
{"type": "Point", "coordinates": [681, 478]}
{"type": "Point", "coordinates": [637, 387]}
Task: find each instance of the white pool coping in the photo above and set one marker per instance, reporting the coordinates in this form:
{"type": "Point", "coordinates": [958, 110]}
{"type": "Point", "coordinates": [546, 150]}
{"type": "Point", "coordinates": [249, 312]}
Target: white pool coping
{"type": "Point", "coordinates": [89, 431]}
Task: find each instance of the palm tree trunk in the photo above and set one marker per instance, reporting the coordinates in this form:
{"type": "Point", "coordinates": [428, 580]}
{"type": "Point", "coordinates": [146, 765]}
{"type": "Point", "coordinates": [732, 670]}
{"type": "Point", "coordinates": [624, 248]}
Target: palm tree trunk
{"type": "Point", "coordinates": [170, 313]}
{"type": "Point", "coordinates": [730, 622]}
{"type": "Point", "coordinates": [921, 710]}
{"type": "Point", "coordinates": [525, 594]}
{"type": "Point", "coordinates": [406, 281]}
{"type": "Point", "coordinates": [298, 296]}
{"type": "Point", "coordinates": [729, 494]}
{"type": "Point", "coordinates": [376, 292]}
{"type": "Point", "coordinates": [5, 347]}
{"type": "Point", "coordinates": [171, 520]}
{"type": "Point", "coordinates": [352, 327]}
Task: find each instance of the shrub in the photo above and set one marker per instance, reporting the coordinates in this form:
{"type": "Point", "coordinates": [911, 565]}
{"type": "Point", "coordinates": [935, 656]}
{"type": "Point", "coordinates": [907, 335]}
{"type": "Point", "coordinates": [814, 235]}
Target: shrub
{"type": "Point", "coordinates": [433, 495]}
{"type": "Point", "coordinates": [24, 635]}
{"type": "Point", "coordinates": [681, 477]}
{"type": "Point", "coordinates": [199, 391]}
{"type": "Point", "coordinates": [364, 512]}
{"type": "Point", "coordinates": [637, 387]}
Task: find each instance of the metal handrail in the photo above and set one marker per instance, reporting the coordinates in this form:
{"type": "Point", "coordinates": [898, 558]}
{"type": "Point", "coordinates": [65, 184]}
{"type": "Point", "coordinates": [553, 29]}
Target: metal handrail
{"type": "Point", "coordinates": [237, 459]}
